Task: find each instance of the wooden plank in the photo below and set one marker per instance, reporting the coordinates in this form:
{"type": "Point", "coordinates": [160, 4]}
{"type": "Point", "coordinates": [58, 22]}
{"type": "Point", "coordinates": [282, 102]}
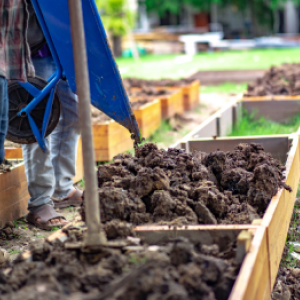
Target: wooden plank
{"type": "Point", "coordinates": [14, 211]}
{"type": "Point", "coordinates": [79, 163]}
{"type": "Point", "coordinates": [148, 117]}
{"type": "Point", "coordinates": [225, 122]}
{"type": "Point", "coordinates": [13, 194]}
{"type": "Point", "coordinates": [110, 139]}
{"type": "Point", "coordinates": [12, 178]}
{"type": "Point", "coordinates": [277, 146]}
{"type": "Point", "coordinates": [281, 111]}
{"type": "Point", "coordinates": [253, 281]}
{"type": "Point", "coordinates": [279, 211]}
{"type": "Point", "coordinates": [271, 98]}
{"type": "Point", "coordinates": [208, 129]}
{"type": "Point", "coordinates": [13, 153]}
{"type": "Point", "coordinates": [210, 234]}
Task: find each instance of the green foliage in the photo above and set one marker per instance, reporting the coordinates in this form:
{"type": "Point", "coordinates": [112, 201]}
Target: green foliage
{"type": "Point", "coordinates": [116, 16]}
{"type": "Point", "coordinates": [250, 126]}
{"type": "Point", "coordinates": [262, 11]}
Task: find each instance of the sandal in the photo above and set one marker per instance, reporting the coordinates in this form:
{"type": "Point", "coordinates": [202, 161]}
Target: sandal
{"type": "Point", "coordinates": [45, 213]}
{"type": "Point", "coordinates": [74, 200]}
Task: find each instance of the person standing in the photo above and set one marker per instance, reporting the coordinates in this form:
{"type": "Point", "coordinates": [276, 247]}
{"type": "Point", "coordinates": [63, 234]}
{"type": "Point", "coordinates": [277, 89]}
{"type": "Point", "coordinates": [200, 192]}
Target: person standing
{"type": "Point", "coordinates": [49, 174]}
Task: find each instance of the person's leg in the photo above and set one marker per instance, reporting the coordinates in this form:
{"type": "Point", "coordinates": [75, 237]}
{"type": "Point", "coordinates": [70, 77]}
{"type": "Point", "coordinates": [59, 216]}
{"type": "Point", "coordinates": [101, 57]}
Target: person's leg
{"type": "Point", "coordinates": [64, 141]}
{"type": "Point", "coordinates": [3, 115]}
{"type": "Point", "coordinates": [38, 166]}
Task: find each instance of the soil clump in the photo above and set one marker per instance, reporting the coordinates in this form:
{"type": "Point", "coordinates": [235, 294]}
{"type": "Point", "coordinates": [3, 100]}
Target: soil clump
{"type": "Point", "coordinates": [177, 188]}
{"type": "Point", "coordinates": [281, 80]}
{"type": "Point", "coordinates": [177, 269]}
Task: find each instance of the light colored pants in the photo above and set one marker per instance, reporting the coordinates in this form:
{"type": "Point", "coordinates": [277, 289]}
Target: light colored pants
{"type": "Point", "coordinates": [50, 174]}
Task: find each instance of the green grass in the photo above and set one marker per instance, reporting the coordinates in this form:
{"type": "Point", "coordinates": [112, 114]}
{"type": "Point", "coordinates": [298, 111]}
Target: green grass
{"type": "Point", "coordinates": [10, 251]}
{"type": "Point", "coordinates": [227, 87]}
{"type": "Point", "coordinates": [249, 126]}
{"type": "Point", "coordinates": [162, 66]}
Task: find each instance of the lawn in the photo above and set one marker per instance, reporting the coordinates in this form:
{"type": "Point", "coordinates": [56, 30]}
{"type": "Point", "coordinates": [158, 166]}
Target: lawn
{"type": "Point", "coordinates": [226, 87]}
{"type": "Point", "coordinates": [177, 66]}
{"type": "Point", "coordinates": [249, 126]}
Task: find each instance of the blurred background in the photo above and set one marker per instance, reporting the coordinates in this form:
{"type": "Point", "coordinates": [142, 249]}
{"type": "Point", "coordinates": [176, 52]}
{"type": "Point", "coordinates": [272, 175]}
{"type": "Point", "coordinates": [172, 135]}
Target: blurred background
{"type": "Point", "coordinates": [177, 38]}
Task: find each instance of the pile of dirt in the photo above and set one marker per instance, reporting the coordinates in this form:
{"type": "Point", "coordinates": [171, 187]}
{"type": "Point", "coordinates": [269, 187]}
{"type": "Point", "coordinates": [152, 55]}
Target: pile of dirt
{"type": "Point", "coordinates": [99, 117]}
{"type": "Point", "coordinates": [177, 269]}
{"type": "Point", "coordinates": [281, 80]}
{"type": "Point", "coordinates": [287, 286]}
{"type": "Point", "coordinates": [144, 83]}
{"type": "Point", "coordinates": [151, 92]}
{"type": "Point", "coordinates": [139, 103]}
{"type": "Point", "coordinates": [177, 188]}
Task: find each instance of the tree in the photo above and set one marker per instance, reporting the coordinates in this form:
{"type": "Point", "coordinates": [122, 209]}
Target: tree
{"type": "Point", "coordinates": [262, 11]}
{"type": "Point", "coordinates": [117, 19]}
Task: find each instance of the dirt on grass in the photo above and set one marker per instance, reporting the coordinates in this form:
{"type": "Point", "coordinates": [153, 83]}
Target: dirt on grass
{"type": "Point", "coordinates": [176, 269]}
{"type": "Point", "coordinates": [281, 80]}
{"type": "Point", "coordinates": [177, 188]}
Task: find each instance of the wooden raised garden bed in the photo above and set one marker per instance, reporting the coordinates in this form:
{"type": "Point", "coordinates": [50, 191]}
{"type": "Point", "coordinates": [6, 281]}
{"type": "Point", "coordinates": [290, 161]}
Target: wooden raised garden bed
{"type": "Point", "coordinates": [148, 117]}
{"type": "Point", "coordinates": [190, 95]}
{"type": "Point", "coordinates": [278, 214]}
{"type": "Point", "coordinates": [171, 104]}
{"type": "Point", "coordinates": [13, 194]}
{"type": "Point", "coordinates": [110, 139]}
{"type": "Point", "coordinates": [252, 282]}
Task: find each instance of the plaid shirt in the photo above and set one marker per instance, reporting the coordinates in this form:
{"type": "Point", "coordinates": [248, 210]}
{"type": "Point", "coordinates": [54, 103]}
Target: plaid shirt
{"type": "Point", "coordinates": [15, 61]}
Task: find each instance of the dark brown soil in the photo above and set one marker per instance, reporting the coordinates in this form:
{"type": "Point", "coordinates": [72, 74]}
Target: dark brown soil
{"type": "Point", "coordinates": [99, 117]}
{"type": "Point", "coordinates": [8, 164]}
{"type": "Point", "coordinates": [143, 83]}
{"type": "Point", "coordinates": [178, 188]}
{"type": "Point", "coordinates": [139, 103]}
{"type": "Point", "coordinates": [287, 286]}
{"type": "Point", "coordinates": [151, 91]}
{"type": "Point", "coordinates": [281, 80]}
{"type": "Point", "coordinates": [175, 270]}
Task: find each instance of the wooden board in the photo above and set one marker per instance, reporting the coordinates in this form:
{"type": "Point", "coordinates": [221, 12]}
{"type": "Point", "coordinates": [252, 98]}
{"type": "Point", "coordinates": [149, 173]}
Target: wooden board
{"type": "Point", "coordinates": [172, 104]}
{"type": "Point", "coordinates": [281, 111]}
{"type": "Point", "coordinates": [13, 194]}
{"type": "Point", "coordinates": [210, 234]}
{"type": "Point", "coordinates": [79, 163]}
{"type": "Point", "coordinates": [253, 281]}
{"type": "Point", "coordinates": [279, 211]}
{"type": "Point", "coordinates": [13, 153]}
{"type": "Point", "coordinates": [148, 117]}
{"type": "Point", "coordinates": [110, 139]}
{"type": "Point", "coordinates": [270, 98]}
{"type": "Point", "coordinates": [225, 122]}
{"type": "Point", "coordinates": [190, 95]}
{"type": "Point", "coordinates": [278, 145]}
